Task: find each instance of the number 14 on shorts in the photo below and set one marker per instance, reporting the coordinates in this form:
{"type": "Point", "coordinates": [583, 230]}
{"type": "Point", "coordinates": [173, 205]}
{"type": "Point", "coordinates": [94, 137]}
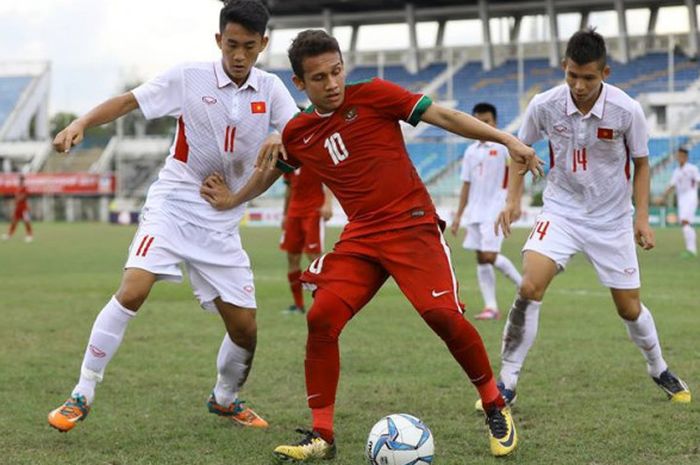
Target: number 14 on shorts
{"type": "Point", "coordinates": [540, 228]}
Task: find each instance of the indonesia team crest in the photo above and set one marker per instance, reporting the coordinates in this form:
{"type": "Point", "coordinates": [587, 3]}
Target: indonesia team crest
{"type": "Point", "coordinates": [350, 114]}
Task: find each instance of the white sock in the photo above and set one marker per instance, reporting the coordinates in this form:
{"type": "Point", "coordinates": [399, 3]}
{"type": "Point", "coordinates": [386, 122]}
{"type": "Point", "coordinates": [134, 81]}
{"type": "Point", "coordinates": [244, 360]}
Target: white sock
{"type": "Point", "coordinates": [233, 364]}
{"type": "Point", "coordinates": [642, 331]}
{"type": "Point", "coordinates": [690, 241]}
{"type": "Point", "coordinates": [487, 283]}
{"type": "Point", "coordinates": [505, 266]}
{"type": "Point", "coordinates": [105, 338]}
{"type": "Point", "coordinates": [518, 336]}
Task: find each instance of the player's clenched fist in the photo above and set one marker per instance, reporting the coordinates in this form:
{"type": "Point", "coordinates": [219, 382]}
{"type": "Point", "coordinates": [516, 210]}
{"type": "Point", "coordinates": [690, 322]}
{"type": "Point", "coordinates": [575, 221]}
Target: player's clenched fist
{"type": "Point", "coordinates": [72, 135]}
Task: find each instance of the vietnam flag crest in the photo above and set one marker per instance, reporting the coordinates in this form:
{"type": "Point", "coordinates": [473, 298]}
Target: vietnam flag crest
{"type": "Point", "coordinates": [258, 107]}
{"type": "Point", "coordinates": [605, 133]}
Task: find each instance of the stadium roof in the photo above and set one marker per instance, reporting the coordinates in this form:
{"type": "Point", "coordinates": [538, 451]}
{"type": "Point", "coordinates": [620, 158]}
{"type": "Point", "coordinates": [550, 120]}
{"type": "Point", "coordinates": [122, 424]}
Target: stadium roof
{"type": "Point", "coordinates": [298, 13]}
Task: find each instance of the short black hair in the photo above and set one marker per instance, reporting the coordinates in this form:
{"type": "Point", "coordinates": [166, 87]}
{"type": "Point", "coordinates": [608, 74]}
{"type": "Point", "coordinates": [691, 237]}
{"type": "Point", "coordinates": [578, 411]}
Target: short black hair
{"type": "Point", "coordinates": [251, 14]}
{"type": "Point", "coordinates": [310, 43]}
{"type": "Point", "coordinates": [585, 47]}
{"type": "Point", "coordinates": [485, 107]}
{"type": "Point", "coordinates": [684, 150]}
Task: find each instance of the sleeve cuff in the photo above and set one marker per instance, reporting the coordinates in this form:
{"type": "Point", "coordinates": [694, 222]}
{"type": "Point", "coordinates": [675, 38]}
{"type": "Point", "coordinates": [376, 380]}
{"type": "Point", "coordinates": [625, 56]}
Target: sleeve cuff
{"type": "Point", "coordinates": [284, 166]}
{"type": "Point", "coordinates": [423, 103]}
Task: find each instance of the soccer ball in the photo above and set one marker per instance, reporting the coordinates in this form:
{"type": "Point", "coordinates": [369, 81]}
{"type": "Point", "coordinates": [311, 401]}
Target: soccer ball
{"type": "Point", "coordinates": [399, 439]}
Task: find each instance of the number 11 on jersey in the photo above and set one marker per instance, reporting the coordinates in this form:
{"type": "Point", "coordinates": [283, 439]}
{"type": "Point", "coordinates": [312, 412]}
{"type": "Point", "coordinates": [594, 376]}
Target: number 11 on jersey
{"type": "Point", "coordinates": [336, 148]}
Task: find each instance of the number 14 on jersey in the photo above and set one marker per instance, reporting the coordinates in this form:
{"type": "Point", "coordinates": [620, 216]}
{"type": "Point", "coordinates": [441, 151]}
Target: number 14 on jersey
{"type": "Point", "coordinates": [336, 148]}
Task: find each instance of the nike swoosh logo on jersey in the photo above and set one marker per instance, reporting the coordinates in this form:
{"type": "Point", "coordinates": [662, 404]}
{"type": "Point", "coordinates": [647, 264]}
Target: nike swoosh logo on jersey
{"type": "Point", "coordinates": [311, 246]}
{"type": "Point", "coordinates": [307, 139]}
{"type": "Point", "coordinates": [438, 294]}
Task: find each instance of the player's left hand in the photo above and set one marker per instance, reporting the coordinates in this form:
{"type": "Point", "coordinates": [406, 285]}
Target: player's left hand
{"type": "Point", "coordinates": [454, 227]}
{"type": "Point", "coordinates": [215, 191]}
{"type": "Point", "coordinates": [525, 155]}
{"type": "Point", "coordinates": [270, 152]}
{"type": "Point", "coordinates": [644, 235]}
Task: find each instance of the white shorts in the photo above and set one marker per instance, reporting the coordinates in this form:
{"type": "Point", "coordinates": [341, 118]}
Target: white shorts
{"type": "Point", "coordinates": [481, 237]}
{"type": "Point", "coordinates": [611, 251]}
{"type": "Point", "coordinates": [215, 261]}
{"type": "Point", "coordinates": [686, 208]}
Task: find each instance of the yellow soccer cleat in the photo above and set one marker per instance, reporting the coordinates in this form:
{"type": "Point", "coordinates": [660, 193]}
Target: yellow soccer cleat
{"type": "Point", "coordinates": [674, 387]}
{"type": "Point", "coordinates": [502, 434]}
{"type": "Point", "coordinates": [237, 412]}
{"type": "Point", "coordinates": [65, 417]}
{"type": "Point", "coordinates": [311, 448]}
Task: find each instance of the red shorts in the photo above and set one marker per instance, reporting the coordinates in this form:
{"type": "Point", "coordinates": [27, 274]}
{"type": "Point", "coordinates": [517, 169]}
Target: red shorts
{"type": "Point", "coordinates": [418, 258]}
{"type": "Point", "coordinates": [21, 214]}
{"type": "Point", "coordinates": [303, 234]}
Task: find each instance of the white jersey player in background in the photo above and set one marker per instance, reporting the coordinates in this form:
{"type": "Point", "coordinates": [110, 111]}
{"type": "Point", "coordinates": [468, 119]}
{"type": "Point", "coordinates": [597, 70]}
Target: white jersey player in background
{"type": "Point", "coordinates": [595, 131]}
{"type": "Point", "coordinates": [484, 187]}
{"type": "Point", "coordinates": [225, 110]}
{"type": "Point", "coordinates": [685, 180]}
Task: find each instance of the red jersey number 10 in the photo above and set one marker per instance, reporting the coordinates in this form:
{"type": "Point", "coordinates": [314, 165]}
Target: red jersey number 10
{"type": "Point", "coordinates": [336, 148]}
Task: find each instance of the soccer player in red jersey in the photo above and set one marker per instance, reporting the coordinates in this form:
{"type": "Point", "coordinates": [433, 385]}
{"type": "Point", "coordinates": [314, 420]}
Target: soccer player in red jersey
{"type": "Point", "coordinates": [21, 212]}
{"type": "Point", "coordinates": [307, 206]}
{"type": "Point", "coordinates": [351, 138]}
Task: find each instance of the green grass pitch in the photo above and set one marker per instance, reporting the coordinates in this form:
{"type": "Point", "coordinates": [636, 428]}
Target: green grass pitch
{"type": "Point", "coordinates": [584, 396]}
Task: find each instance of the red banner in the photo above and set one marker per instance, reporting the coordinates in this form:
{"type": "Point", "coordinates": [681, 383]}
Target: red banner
{"type": "Point", "coordinates": [59, 183]}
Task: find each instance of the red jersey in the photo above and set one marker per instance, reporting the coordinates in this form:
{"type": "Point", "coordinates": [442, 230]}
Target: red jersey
{"type": "Point", "coordinates": [21, 198]}
{"type": "Point", "coordinates": [306, 193]}
{"type": "Point", "coordinates": [358, 152]}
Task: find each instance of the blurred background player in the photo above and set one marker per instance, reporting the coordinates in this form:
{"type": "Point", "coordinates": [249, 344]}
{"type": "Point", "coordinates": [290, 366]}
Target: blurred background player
{"type": "Point", "coordinates": [307, 206]}
{"type": "Point", "coordinates": [225, 110]}
{"type": "Point", "coordinates": [685, 181]}
{"type": "Point", "coordinates": [484, 188]}
{"type": "Point", "coordinates": [594, 130]}
{"type": "Point", "coordinates": [351, 138]}
{"type": "Point", "coordinates": [21, 212]}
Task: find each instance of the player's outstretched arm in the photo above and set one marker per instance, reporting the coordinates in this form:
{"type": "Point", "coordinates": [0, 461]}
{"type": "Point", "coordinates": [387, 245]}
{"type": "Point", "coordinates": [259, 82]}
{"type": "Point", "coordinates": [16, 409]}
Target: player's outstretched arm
{"type": "Point", "coordinates": [467, 126]}
{"type": "Point", "coordinates": [511, 211]}
{"type": "Point", "coordinates": [215, 190]}
{"type": "Point", "coordinates": [642, 231]}
{"type": "Point", "coordinates": [107, 111]}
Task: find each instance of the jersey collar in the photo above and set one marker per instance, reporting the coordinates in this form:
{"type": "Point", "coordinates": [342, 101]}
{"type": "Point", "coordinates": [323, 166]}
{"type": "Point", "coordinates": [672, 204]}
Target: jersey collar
{"type": "Point", "coordinates": [598, 107]}
{"type": "Point", "coordinates": [222, 79]}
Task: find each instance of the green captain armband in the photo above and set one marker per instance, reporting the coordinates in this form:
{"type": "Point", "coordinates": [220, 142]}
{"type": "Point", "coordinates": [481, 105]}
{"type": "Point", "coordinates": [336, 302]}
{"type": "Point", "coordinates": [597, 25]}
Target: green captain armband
{"type": "Point", "coordinates": [284, 166]}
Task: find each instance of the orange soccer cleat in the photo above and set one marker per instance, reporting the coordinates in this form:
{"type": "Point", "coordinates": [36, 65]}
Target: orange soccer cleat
{"type": "Point", "coordinates": [65, 417]}
{"type": "Point", "coordinates": [237, 412]}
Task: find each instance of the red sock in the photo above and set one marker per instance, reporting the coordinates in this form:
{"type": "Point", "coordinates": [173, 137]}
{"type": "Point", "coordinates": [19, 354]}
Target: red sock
{"type": "Point", "coordinates": [490, 395]}
{"type": "Point", "coordinates": [323, 422]}
{"type": "Point", "coordinates": [466, 347]}
{"type": "Point", "coordinates": [325, 320]}
{"type": "Point", "coordinates": [295, 286]}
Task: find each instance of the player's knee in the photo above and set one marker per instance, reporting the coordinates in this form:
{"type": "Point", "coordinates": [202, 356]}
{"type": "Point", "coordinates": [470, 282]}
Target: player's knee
{"type": "Point", "coordinates": [447, 323]}
{"type": "Point", "coordinates": [629, 311]}
{"type": "Point", "coordinates": [245, 336]}
{"type": "Point", "coordinates": [530, 290]}
{"type": "Point", "coordinates": [485, 258]}
{"type": "Point", "coordinates": [131, 297]}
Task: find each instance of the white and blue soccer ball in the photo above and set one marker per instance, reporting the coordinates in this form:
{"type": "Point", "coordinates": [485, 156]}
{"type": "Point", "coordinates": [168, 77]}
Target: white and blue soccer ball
{"type": "Point", "coordinates": [399, 439]}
